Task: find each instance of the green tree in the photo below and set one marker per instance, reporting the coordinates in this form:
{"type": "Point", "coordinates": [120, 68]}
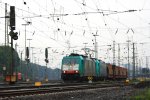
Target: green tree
{"type": "Point", "coordinates": [5, 58]}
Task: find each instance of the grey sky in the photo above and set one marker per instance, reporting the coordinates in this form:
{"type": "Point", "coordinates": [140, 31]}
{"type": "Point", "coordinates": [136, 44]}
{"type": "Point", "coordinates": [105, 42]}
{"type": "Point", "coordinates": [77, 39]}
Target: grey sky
{"type": "Point", "coordinates": [64, 25]}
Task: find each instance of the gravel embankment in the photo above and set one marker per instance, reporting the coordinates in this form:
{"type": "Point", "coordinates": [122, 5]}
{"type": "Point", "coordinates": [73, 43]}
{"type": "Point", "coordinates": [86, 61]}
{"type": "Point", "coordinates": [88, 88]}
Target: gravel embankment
{"type": "Point", "coordinates": [122, 93]}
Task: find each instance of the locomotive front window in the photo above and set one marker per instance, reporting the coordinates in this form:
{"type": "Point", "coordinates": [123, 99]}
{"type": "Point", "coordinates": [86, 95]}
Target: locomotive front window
{"type": "Point", "coordinates": [70, 61]}
{"type": "Point", "coordinates": [70, 64]}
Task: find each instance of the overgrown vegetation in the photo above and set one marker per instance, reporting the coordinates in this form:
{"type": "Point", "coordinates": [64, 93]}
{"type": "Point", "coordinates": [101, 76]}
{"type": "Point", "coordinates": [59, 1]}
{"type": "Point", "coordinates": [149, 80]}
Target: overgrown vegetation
{"type": "Point", "coordinates": [5, 60]}
{"type": "Point", "coordinates": [5, 56]}
{"type": "Point", "coordinates": [31, 70]}
{"type": "Point", "coordinates": [142, 95]}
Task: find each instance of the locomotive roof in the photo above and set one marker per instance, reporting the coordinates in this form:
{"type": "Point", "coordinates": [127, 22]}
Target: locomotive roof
{"type": "Point", "coordinates": [75, 54]}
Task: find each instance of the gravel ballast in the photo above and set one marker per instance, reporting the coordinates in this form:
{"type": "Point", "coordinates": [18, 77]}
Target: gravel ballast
{"type": "Point", "coordinates": [119, 93]}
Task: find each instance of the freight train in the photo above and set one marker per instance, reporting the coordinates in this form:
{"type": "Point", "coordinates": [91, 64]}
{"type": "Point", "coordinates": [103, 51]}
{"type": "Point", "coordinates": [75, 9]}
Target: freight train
{"type": "Point", "coordinates": [79, 67]}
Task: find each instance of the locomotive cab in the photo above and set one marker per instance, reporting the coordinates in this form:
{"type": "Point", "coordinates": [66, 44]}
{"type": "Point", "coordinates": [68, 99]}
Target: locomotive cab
{"type": "Point", "coordinates": [72, 67]}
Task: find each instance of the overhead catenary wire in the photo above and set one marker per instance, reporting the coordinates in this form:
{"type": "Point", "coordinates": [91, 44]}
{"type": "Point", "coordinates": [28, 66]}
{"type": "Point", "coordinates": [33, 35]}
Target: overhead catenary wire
{"type": "Point", "coordinates": [46, 17]}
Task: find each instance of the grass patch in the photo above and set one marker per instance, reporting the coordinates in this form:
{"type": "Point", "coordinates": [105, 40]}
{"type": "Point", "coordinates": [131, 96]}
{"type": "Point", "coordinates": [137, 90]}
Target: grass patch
{"type": "Point", "coordinates": [142, 95]}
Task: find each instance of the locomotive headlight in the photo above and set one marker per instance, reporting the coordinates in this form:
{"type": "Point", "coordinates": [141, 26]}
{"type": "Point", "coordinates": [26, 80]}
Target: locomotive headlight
{"type": "Point", "coordinates": [64, 71]}
{"type": "Point", "coordinates": [76, 71]}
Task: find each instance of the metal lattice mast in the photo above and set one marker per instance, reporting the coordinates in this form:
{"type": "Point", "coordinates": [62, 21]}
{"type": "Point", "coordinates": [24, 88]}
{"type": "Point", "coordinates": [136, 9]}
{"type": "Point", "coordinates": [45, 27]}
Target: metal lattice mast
{"type": "Point", "coordinates": [128, 58]}
{"type": "Point", "coordinates": [133, 61]}
{"type": "Point", "coordinates": [114, 61]}
{"type": "Point", "coordinates": [118, 54]}
{"type": "Point", "coordinates": [95, 46]}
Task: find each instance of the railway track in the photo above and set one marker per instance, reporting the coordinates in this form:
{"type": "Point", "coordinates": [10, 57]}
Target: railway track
{"type": "Point", "coordinates": [46, 85]}
{"type": "Point", "coordinates": [52, 89]}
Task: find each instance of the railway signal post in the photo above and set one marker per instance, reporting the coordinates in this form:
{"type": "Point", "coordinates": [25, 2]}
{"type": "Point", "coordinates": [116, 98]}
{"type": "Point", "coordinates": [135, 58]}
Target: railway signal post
{"type": "Point", "coordinates": [11, 77]}
{"type": "Point", "coordinates": [46, 60]}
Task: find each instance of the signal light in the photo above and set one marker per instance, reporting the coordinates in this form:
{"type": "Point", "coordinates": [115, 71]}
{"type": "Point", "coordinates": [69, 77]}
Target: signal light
{"type": "Point", "coordinates": [12, 17]}
{"type": "Point", "coordinates": [46, 53]}
{"type": "Point", "coordinates": [15, 36]}
{"type": "Point", "coordinates": [46, 60]}
{"type": "Point", "coordinates": [27, 52]}
{"type": "Point", "coordinates": [28, 60]}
